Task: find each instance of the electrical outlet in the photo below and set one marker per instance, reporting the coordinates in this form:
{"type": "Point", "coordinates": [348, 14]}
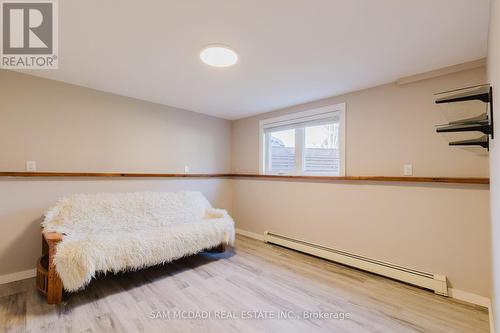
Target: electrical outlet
{"type": "Point", "coordinates": [31, 166]}
{"type": "Point", "coordinates": [408, 170]}
{"type": "Point", "coordinates": [186, 169]}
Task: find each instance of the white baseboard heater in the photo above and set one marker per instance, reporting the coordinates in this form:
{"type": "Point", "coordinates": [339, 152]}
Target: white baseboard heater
{"type": "Point", "coordinates": [434, 282]}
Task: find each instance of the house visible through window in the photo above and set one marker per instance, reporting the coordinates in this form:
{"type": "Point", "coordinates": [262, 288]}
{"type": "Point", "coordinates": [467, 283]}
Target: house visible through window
{"type": "Point", "coordinates": [310, 142]}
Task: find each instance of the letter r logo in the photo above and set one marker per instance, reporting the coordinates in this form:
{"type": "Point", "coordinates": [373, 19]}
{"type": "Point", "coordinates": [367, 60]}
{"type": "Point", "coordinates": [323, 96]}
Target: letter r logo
{"type": "Point", "coordinates": [27, 27]}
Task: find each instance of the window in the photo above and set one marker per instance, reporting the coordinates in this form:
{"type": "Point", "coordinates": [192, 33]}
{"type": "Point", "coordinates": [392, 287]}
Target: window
{"type": "Point", "coordinates": [309, 142]}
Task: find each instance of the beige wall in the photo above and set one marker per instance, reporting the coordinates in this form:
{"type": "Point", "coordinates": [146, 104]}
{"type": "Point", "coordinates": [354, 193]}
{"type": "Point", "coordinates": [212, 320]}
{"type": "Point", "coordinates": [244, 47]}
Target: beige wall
{"type": "Point", "coordinates": [69, 128]}
{"type": "Point", "coordinates": [386, 127]}
{"type": "Point", "coordinates": [494, 79]}
{"type": "Point", "coordinates": [437, 228]}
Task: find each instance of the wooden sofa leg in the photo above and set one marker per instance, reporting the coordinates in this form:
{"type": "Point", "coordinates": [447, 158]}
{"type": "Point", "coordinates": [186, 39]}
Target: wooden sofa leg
{"type": "Point", "coordinates": [54, 287]}
{"type": "Point", "coordinates": [218, 249]}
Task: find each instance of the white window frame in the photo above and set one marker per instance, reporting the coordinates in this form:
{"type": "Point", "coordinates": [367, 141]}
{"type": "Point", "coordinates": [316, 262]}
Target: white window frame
{"type": "Point", "coordinates": [339, 109]}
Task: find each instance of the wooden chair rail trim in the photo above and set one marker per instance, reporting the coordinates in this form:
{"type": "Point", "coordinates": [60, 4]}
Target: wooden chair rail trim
{"type": "Point", "coordinates": [112, 174]}
{"type": "Point", "coordinates": [449, 180]}
{"type": "Point", "coordinates": [455, 180]}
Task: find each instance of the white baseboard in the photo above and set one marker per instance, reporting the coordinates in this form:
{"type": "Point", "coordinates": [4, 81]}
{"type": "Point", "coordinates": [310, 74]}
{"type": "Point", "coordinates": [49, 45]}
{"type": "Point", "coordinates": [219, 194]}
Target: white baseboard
{"type": "Point", "coordinates": [469, 297]}
{"type": "Point", "coordinates": [474, 299]}
{"type": "Point", "coordinates": [250, 234]}
{"type": "Point", "coordinates": [18, 276]}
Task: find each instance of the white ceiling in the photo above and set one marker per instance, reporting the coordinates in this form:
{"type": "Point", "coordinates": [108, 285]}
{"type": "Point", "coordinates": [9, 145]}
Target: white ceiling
{"type": "Point", "coordinates": [290, 51]}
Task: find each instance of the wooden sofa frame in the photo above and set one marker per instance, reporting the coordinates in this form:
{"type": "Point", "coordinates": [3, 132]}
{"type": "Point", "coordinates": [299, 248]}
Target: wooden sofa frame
{"type": "Point", "coordinates": [54, 283]}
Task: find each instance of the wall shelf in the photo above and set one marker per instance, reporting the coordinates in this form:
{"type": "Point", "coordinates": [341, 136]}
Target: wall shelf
{"type": "Point", "coordinates": [480, 93]}
{"type": "Point", "coordinates": [478, 118]}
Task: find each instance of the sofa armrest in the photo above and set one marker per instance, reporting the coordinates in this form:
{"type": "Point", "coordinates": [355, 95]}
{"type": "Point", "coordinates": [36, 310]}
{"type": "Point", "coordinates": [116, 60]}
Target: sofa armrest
{"type": "Point", "coordinates": [52, 237]}
{"type": "Point", "coordinates": [55, 287]}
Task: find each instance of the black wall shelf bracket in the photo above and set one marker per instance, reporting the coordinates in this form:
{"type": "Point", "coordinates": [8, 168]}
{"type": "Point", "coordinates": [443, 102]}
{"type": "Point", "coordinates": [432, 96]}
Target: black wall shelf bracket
{"type": "Point", "coordinates": [482, 126]}
{"type": "Point", "coordinates": [483, 141]}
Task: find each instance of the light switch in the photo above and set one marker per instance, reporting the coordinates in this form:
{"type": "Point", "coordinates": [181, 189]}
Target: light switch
{"type": "Point", "coordinates": [31, 166]}
{"type": "Point", "coordinates": [408, 170]}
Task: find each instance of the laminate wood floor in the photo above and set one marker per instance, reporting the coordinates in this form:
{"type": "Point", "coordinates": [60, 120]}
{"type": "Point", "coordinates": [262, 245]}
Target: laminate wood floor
{"type": "Point", "coordinates": [275, 289]}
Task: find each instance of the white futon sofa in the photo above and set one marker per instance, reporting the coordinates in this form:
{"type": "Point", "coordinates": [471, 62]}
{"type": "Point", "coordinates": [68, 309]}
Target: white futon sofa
{"type": "Point", "coordinates": [111, 232]}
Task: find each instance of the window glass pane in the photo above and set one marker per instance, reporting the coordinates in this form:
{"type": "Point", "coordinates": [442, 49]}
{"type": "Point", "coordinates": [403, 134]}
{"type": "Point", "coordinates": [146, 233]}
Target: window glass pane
{"type": "Point", "coordinates": [282, 151]}
{"type": "Point", "coordinates": [322, 149]}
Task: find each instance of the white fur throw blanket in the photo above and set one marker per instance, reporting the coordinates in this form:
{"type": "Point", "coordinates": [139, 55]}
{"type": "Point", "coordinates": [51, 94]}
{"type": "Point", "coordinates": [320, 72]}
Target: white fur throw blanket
{"type": "Point", "coordinates": [128, 231]}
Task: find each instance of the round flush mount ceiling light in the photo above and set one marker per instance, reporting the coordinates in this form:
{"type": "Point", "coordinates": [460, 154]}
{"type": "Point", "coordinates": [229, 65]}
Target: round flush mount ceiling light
{"type": "Point", "coordinates": [218, 56]}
